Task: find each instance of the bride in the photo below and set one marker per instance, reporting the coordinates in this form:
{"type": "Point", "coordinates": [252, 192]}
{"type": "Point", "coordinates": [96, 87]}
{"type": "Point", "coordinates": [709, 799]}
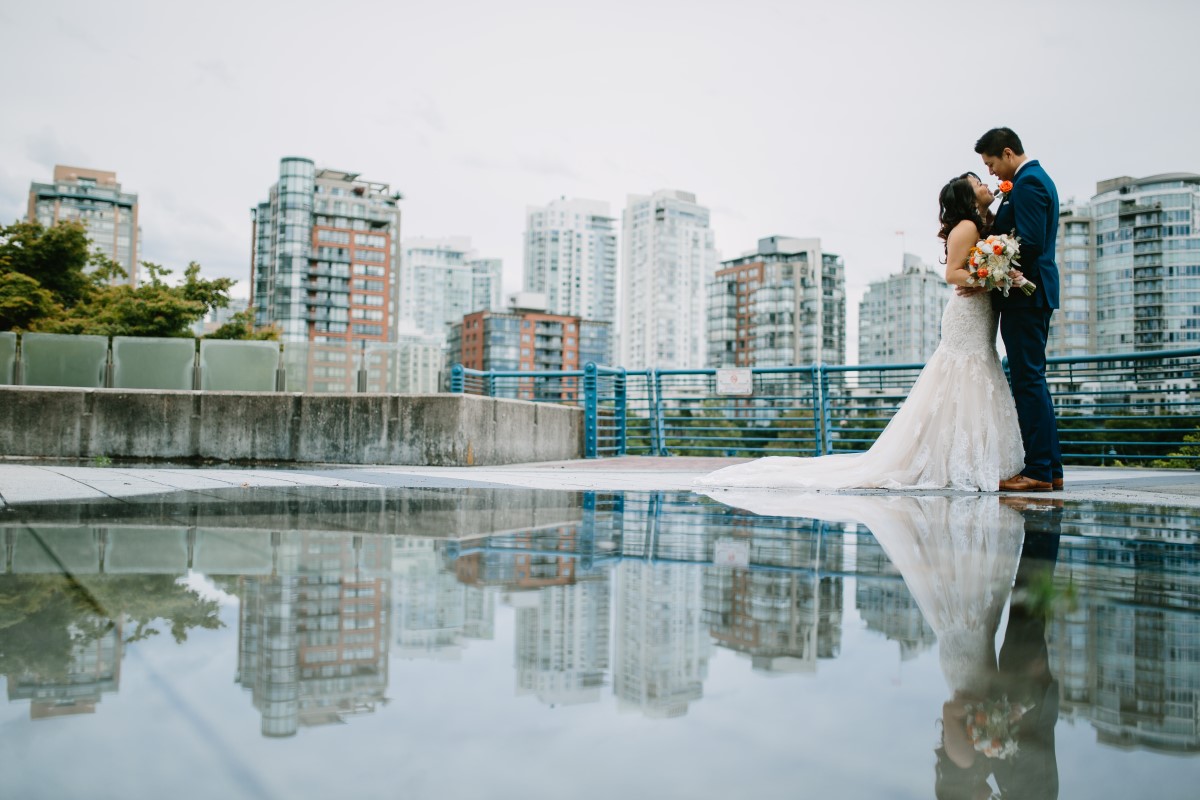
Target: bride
{"type": "Point", "coordinates": [958, 427]}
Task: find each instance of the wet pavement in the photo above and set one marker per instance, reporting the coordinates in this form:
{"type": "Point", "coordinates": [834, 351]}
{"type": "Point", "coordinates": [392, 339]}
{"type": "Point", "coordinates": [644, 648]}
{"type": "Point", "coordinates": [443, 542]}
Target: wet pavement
{"type": "Point", "coordinates": [591, 630]}
{"type": "Point", "coordinates": [36, 480]}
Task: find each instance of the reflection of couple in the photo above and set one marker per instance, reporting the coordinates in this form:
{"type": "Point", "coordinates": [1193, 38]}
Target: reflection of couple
{"type": "Point", "coordinates": [960, 428]}
{"type": "Point", "coordinates": [960, 558]}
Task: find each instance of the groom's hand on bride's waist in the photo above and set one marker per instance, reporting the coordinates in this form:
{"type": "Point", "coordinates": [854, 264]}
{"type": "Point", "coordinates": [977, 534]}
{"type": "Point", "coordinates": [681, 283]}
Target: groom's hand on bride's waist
{"type": "Point", "coordinates": [968, 291]}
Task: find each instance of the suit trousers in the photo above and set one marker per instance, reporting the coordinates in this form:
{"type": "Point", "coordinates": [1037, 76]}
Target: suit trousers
{"type": "Point", "coordinates": [1024, 331]}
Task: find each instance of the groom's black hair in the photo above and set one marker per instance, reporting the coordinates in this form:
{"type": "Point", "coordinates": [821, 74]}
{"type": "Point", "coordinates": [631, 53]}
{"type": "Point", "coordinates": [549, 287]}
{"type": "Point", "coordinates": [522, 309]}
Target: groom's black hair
{"type": "Point", "coordinates": [994, 141]}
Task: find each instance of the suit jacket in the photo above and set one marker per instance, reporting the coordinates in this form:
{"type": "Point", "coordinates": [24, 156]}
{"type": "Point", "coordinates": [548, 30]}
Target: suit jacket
{"type": "Point", "coordinates": [1031, 210]}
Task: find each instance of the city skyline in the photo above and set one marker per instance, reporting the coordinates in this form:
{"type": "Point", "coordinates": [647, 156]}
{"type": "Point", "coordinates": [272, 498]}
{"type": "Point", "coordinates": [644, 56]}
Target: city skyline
{"type": "Point", "coordinates": [462, 177]}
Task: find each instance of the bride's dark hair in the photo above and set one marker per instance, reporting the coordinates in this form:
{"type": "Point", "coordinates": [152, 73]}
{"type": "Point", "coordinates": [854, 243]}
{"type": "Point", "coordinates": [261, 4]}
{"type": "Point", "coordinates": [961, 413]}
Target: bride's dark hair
{"type": "Point", "coordinates": [957, 202]}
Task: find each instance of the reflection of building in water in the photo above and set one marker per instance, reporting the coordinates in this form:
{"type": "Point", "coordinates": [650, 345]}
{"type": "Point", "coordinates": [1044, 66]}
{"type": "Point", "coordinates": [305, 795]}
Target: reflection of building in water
{"type": "Point", "coordinates": [528, 559]}
{"type": "Point", "coordinates": [94, 670]}
{"type": "Point", "coordinates": [434, 612]}
{"type": "Point", "coordinates": [562, 641]}
{"type": "Point", "coordinates": [1129, 659]}
{"type": "Point", "coordinates": [784, 619]}
{"type": "Point", "coordinates": [662, 645]}
{"type": "Point", "coordinates": [885, 603]}
{"type": "Point", "coordinates": [313, 636]}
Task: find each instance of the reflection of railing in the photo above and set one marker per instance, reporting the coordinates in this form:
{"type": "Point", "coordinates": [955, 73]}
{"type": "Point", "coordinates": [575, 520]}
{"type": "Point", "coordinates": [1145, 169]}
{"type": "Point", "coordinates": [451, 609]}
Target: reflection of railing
{"type": "Point", "coordinates": [652, 527]}
{"type": "Point", "coordinates": [1131, 408]}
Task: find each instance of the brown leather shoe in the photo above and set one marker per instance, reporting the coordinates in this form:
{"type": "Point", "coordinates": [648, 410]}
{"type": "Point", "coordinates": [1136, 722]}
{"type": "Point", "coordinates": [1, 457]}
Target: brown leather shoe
{"type": "Point", "coordinates": [1057, 483]}
{"type": "Point", "coordinates": [1020, 483]}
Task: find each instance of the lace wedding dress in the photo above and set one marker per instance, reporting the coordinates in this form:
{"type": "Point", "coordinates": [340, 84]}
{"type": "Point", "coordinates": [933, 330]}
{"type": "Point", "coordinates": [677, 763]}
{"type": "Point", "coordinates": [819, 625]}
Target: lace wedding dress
{"type": "Point", "coordinates": [958, 557]}
{"type": "Point", "coordinates": [956, 430]}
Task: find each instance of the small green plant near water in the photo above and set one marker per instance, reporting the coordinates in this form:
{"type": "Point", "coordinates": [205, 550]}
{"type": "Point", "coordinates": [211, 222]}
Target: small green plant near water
{"type": "Point", "coordinates": [101, 461]}
{"type": "Point", "coordinates": [1046, 598]}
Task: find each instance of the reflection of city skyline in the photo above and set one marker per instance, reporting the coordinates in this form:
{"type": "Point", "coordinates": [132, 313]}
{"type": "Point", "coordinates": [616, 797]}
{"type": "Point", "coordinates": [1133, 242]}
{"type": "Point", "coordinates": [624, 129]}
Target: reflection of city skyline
{"type": "Point", "coordinates": [627, 597]}
{"type": "Point", "coordinates": [313, 636]}
{"type": "Point", "coordinates": [435, 612]}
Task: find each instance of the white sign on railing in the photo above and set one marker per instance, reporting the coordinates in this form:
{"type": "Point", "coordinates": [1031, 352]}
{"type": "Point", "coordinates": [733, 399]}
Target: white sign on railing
{"type": "Point", "coordinates": [731, 553]}
{"type": "Point", "coordinates": [735, 381]}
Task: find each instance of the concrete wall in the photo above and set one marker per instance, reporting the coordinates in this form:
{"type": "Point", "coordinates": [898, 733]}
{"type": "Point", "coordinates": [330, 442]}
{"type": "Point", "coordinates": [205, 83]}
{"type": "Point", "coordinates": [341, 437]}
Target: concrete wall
{"type": "Point", "coordinates": [428, 430]}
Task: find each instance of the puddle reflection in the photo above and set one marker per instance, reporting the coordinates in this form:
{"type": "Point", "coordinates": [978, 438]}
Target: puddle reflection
{"type": "Point", "coordinates": [1041, 615]}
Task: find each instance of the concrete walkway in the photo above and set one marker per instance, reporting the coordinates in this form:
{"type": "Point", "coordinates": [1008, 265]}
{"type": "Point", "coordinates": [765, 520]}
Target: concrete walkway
{"type": "Point", "coordinates": [32, 481]}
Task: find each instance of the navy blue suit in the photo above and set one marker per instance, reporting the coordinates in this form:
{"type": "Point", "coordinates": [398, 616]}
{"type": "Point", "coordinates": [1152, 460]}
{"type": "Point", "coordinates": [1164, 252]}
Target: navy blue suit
{"type": "Point", "coordinates": [1031, 210]}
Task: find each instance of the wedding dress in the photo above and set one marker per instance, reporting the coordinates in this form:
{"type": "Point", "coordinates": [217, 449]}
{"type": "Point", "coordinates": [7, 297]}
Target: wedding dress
{"type": "Point", "coordinates": [958, 557]}
{"type": "Point", "coordinates": [956, 430]}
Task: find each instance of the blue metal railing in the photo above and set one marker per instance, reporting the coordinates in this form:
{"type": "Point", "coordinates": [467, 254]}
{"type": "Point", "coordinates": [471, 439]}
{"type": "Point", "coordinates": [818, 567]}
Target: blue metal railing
{"type": "Point", "coordinates": [1131, 408]}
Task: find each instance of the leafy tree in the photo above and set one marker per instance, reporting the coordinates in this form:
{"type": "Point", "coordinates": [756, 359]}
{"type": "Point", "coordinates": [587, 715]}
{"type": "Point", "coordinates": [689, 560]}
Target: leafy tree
{"type": "Point", "coordinates": [45, 286]}
{"type": "Point", "coordinates": [44, 617]}
{"type": "Point", "coordinates": [23, 300]}
{"type": "Point", "coordinates": [55, 257]}
{"type": "Point", "coordinates": [1190, 452]}
{"type": "Point", "coordinates": [150, 309]}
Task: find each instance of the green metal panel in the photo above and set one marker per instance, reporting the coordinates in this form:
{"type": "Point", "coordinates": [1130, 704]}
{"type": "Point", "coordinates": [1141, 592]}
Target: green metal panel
{"type": "Point", "coordinates": [144, 362]}
{"type": "Point", "coordinates": [50, 550]}
{"type": "Point", "coordinates": [52, 359]}
{"type": "Point", "coordinates": [232, 552]}
{"type": "Point", "coordinates": [238, 366]}
{"type": "Point", "coordinates": [8, 357]}
{"type": "Point", "coordinates": [147, 551]}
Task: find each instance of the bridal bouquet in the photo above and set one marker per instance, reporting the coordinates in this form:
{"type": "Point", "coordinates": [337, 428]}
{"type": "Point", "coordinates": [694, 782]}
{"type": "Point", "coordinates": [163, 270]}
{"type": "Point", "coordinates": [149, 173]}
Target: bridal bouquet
{"type": "Point", "coordinates": [992, 726]}
{"type": "Point", "coordinates": [991, 261]}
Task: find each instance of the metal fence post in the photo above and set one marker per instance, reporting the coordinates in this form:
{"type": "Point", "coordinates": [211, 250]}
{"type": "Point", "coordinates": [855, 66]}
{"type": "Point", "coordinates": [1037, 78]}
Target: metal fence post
{"type": "Point", "coordinates": [619, 412]}
{"type": "Point", "coordinates": [825, 434]}
{"type": "Point", "coordinates": [362, 367]}
{"type": "Point", "coordinates": [280, 372]}
{"type": "Point", "coordinates": [110, 368]}
{"type": "Point", "coordinates": [456, 379]}
{"type": "Point", "coordinates": [18, 376]}
{"type": "Point", "coordinates": [656, 408]}
{"type": "Point", "coordinates": [590, 410]}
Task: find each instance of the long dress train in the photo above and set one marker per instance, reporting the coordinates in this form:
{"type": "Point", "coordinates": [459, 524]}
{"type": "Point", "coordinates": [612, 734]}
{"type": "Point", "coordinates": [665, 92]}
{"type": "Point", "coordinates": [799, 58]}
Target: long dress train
{"type": "Point", "coordinates": [957, 429]}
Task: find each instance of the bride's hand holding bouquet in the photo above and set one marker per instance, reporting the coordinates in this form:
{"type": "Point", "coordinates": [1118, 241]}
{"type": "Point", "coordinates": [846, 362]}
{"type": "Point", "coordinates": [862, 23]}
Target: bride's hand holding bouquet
{"type": "Point", "coordinates": [993, 265]}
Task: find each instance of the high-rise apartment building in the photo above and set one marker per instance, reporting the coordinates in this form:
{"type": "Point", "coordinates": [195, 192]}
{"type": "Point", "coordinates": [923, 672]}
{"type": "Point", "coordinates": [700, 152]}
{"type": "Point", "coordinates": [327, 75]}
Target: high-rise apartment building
{"type": "Point", "coordinates": [668, 258]}
{"type": "Point", "coordinates": [444, 279]}
{"type": "Point", "coordinates": [1147, 262]}
{"type": "Point", "coordinates": [1129, 268]}
{"type": "Point", "coordinates": [418, 360]}
{"type": "Point", "coordinates": [900, 317]}
{"type": "Point", "coordinates": [1072, 327]}
{"type": "Point", "coordinates": [325, 258]}
{"type": "Point", "coordinates": [571, 257]}
{"type": "Point", "coordinates": [527, 338]}
{"type": "Point", "coordinates": [766, 307]}
{"type": "Point", "coordinates": [325, 269]}
{"type": "Point", "coordinates": [94, 198]}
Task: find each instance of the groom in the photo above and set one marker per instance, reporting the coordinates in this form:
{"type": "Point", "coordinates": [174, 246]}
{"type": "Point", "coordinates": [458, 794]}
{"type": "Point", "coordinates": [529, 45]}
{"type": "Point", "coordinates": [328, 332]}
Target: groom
{"type": "Point", "coordinates": [1030, 208]}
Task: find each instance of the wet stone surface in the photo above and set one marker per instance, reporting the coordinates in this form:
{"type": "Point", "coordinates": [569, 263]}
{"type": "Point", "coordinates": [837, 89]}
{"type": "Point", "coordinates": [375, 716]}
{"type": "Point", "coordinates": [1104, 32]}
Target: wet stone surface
{"type": "Point", "coordinates": [290, 641]}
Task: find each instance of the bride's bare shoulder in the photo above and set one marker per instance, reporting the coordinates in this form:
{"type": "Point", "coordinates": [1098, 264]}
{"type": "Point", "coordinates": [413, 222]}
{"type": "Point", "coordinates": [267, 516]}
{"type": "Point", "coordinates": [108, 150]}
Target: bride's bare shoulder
{"type": "Point", "coordinates": [964, 231]}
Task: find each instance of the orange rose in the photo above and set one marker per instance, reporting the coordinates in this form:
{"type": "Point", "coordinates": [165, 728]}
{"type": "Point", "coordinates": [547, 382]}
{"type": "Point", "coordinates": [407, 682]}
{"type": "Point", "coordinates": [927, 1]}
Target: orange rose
{"type": "Point", "coordinates": [997, 249]}
{"type": "Point", "coordinates": [982, 273]}
{"type": "Point", "coordinates": [1006, 186]}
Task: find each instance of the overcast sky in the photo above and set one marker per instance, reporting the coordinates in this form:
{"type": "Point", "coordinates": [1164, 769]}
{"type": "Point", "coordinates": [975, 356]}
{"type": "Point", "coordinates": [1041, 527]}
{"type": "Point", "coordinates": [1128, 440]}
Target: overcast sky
{"type": "Point", "coordinates": [839, 120]}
